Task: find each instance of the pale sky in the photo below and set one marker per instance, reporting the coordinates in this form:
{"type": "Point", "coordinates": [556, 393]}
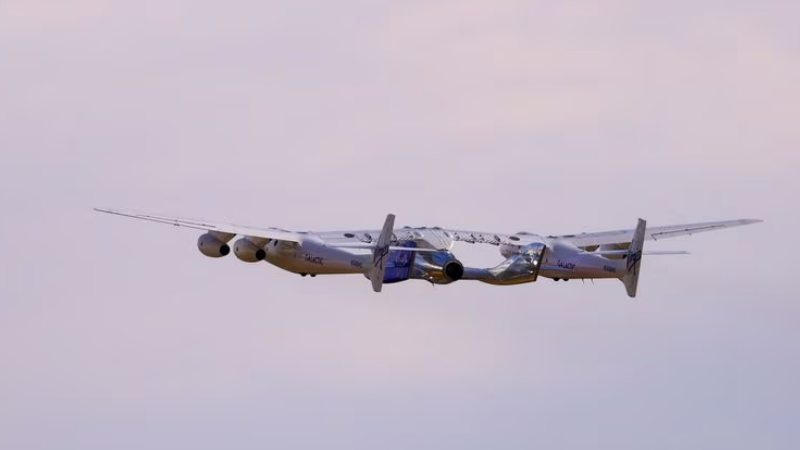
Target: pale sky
{"type": "Point", "coordinates": [550, 117]}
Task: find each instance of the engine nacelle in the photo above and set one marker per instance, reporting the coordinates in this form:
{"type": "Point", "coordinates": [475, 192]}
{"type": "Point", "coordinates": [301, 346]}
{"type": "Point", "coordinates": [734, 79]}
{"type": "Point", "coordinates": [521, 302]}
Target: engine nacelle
{"type": "Point", "coordinates": [214, 245]}
{"type": "Point", "coordinates": [247, 251]}
{"type": "Point", "coordinates": [438, 268]}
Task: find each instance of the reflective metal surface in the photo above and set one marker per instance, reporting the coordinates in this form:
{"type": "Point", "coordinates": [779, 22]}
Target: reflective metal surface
{"type": "Point", "coordinates": [522, 267]}
{"type": "Point", "coordinates": [437, 268]}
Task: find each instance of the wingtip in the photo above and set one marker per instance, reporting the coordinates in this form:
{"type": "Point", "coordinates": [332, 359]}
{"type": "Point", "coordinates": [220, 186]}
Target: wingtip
{"type": "Point", "coordinates": [108, 211]}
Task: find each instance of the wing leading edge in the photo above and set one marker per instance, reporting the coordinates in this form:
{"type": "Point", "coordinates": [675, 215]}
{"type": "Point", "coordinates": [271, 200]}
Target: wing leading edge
{"type": "Point", "coordinates": [579, 240]}
{"type": "Point", "coordinates": [198, 224]}
{"type": "Point", "coordinates": [652, 233]}
{"type": "Point", "coordinates": [265, 233]}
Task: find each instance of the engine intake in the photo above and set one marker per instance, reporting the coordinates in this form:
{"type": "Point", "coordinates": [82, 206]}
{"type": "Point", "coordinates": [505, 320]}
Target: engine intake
{"type": "Point", "coordinates": [249, 252]}
{"type": "Point", "coordinates": [454, 270]}
{"type": "Point", "coordinates": [213, 245]}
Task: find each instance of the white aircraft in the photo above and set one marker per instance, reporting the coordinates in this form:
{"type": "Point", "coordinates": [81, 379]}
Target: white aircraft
{"type": "Point", "coordinates": [393, 255]}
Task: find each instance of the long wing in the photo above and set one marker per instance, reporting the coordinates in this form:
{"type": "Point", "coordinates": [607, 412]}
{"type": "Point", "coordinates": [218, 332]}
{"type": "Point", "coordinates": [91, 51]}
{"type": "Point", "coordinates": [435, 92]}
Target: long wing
{"type": "Point", "coordinates": [197, 224]}
{"type": "Point", "coordinates": [651, 234]}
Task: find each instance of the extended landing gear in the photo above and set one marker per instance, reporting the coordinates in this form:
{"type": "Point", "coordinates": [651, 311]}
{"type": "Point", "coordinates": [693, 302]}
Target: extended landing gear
{"type": "Point", "coordinates": [313, 275]}
{"type": "Point", "coordinates": [560, 279]}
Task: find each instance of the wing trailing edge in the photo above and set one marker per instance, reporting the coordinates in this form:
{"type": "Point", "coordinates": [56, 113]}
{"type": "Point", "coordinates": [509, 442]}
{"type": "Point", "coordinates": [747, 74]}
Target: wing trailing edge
{"type": "Point", "coordinates": [205, 225]}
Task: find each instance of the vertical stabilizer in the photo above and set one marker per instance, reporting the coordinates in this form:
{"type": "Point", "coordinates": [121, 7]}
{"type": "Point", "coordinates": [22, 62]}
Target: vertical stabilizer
{"type": "Point", "coordinates": [381, 254]}
{"type": "Point", "coordinates": [633, 260]}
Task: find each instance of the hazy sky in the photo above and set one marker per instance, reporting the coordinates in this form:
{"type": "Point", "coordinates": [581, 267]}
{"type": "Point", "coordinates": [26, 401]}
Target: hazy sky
{"type": "Point", "coordinates": [551, 117]}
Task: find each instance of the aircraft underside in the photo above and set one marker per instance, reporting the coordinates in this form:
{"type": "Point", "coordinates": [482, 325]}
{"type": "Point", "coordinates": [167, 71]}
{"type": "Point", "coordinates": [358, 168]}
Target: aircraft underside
{"type": "Point", "coordinates": [392, 255]}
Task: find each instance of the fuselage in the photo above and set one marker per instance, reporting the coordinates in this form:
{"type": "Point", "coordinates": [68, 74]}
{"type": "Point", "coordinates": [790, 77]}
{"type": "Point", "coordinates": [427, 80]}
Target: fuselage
{"type": "Point", "coordinates": [565, 261]}
{"type": "Point", "coordinates": [560, 260]}
{"type": "Point", "coordinates": [314, 258]}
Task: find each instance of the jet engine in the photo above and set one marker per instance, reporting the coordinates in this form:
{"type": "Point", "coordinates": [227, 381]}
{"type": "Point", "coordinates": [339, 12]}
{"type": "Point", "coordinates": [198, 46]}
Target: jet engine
{"type": "Point", "coordinates": [454, 270]}
{"type": "Point", "coordinates": [215, 245]}
{"type": "Point", "coordinates": [438, 268]}
{"type": "Point", "coordinates": [249, 251]}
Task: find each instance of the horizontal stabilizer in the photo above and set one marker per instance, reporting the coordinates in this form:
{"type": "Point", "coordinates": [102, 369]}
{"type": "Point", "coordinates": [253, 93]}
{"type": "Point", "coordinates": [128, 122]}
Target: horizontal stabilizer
{"type": "Point", "coordinates": [625, 252]}
{"type": "Point", "coordinates": [665, 252]}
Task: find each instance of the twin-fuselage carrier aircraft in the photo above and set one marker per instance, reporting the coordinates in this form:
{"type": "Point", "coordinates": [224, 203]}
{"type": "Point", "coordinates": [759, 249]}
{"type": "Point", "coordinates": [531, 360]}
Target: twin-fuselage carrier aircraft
{"type": "Point", "coordinates": [393, 255]}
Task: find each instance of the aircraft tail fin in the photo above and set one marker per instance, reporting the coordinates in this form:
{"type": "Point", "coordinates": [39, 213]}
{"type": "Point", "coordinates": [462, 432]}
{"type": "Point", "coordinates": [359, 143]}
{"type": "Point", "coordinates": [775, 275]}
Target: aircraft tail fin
{"type": "Point", "coordinates": [633, 260]}
{"type": "Point", "coordinates": [381, 253]}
